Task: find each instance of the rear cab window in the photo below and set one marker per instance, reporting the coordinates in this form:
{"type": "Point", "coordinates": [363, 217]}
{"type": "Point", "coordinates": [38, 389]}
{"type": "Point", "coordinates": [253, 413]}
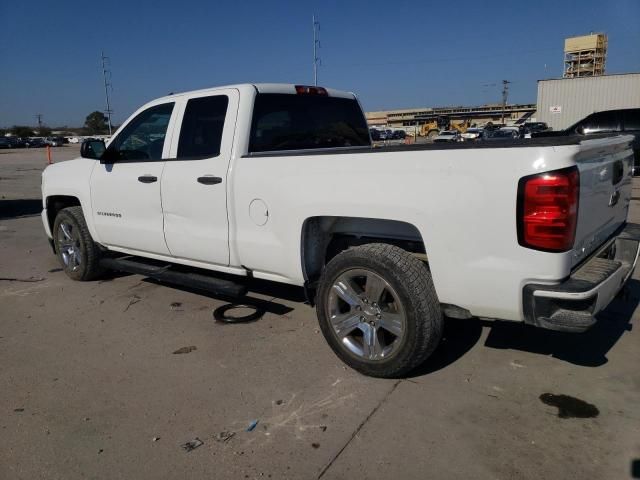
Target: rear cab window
{"type": "Point", "coordinates": [305, 122]}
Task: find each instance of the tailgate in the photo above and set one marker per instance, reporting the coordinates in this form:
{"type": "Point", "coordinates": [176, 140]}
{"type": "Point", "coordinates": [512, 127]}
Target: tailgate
{"type": "Point", "coordinates": [605, 191]}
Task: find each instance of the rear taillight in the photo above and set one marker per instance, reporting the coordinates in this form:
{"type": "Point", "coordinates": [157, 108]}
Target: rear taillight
{"type": "Point", "coordinates": [308, 90]}
{"type": "Point", "coordinates": [548, 210]}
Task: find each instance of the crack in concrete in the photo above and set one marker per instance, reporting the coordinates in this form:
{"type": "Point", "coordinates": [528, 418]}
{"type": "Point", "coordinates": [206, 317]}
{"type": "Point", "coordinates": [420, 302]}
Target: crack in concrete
{"type": "Point", "coordinates": [358, 428]}
{"type": "Point", "coordinates": [25, 280]}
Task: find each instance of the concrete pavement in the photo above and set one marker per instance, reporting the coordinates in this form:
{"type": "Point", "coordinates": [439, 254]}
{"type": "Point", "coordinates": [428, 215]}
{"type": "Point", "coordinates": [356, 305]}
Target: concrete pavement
{"type": "Point", "coordinates": [90, 386]}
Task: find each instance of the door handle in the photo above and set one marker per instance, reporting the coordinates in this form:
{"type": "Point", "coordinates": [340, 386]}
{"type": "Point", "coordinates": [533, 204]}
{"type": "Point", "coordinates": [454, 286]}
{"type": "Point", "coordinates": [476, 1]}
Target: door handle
{"type": "Point", "coordinates": [147, 179]}
{"type": "Point", "coordinates": [208, 180]}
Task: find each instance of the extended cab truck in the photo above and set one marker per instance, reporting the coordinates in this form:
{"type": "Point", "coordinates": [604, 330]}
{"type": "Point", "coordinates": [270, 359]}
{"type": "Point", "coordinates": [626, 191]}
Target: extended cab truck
{"type": "Point", "coordinates": [280, 182]}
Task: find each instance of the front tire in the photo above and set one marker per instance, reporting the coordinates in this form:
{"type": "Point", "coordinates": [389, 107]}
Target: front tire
{"type": "Point", "coordinates": [79, 255]}
{"type": "Point", "coordinates": [378, 310]}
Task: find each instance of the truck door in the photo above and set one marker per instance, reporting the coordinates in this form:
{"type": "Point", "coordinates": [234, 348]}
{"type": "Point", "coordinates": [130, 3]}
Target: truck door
{"type": "Point", "coordinates": [194, 180]}
{"type": "Point", "coordinates": [125, 186]}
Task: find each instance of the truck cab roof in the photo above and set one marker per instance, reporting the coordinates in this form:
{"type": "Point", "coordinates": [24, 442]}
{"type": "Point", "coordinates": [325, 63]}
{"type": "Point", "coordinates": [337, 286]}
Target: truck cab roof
{"type": "Point", "coordinates": [286, 88]}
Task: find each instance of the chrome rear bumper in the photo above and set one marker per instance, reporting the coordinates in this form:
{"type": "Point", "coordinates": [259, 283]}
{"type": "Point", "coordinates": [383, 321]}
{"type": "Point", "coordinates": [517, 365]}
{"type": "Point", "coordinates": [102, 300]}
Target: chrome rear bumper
{"type": "Point", "coordinates": [572, 305]}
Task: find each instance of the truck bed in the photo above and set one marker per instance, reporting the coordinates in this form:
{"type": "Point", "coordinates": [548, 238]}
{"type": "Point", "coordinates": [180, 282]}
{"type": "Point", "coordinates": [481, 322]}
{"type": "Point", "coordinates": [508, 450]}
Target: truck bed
{"type": "Point", "coordinates": [509, 143]}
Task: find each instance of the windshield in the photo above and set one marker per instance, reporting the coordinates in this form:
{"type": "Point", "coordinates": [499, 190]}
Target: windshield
{"type": "Point", "coordinates": [301, 122]}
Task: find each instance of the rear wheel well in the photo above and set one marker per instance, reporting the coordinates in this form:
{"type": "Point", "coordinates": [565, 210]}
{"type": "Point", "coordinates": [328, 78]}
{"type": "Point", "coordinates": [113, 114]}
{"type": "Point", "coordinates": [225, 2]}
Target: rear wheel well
{"type": "Point", "coordinates": [325, 237]}
{"type": "Point", "coordinates": [55, 203]}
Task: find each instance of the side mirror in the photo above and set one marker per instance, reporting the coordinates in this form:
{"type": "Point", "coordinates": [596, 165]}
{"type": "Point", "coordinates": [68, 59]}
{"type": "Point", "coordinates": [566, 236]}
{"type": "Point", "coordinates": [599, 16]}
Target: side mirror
{"type": "Point", "coordinates": [92, 149]}
{"type": "Point", "coordinates": [580, 130]}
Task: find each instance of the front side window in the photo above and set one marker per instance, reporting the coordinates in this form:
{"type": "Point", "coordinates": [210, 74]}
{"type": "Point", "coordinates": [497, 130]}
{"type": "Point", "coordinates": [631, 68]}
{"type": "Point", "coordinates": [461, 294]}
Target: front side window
{"type": "Point", "coordinates": [300, 122]}
{"type": "Point", "coordinates": [202, 126]}
{"type": "Point", "coordinates": [143, 138]}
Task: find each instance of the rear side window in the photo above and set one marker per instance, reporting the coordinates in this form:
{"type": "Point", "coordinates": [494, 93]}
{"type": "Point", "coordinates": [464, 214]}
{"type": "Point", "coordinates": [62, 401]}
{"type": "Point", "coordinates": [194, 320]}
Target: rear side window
{"type": "Point", "coordinates": [632, 120]}
{"type": "Point", "coordinates": [601, 122]}
{"type": "Point", "coordinates": [301, 122]}
{"type": "Point", "coordinates": [202, 126]}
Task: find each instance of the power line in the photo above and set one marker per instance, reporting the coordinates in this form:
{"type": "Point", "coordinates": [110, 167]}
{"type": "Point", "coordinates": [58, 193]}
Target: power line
{"type": "Point", "coordinates": [316, 46]}
{"type": "Point", "coordinates": [106, 74]}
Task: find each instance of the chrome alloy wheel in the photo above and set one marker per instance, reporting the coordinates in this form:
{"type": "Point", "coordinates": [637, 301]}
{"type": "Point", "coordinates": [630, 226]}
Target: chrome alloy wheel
{"type": "Point", "coordinates": [366, 314]}
{"type": "Point", "coordinates": [69, 245]}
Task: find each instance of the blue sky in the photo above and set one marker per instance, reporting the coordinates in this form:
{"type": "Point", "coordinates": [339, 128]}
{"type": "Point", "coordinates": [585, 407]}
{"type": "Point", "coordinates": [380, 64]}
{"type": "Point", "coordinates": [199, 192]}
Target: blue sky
{"type": "Point", "coordinates": [393, 54]}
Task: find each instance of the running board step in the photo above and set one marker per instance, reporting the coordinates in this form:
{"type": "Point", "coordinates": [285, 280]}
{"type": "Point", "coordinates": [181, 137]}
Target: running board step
{"type": "Point", "coordinates": [165, 274]}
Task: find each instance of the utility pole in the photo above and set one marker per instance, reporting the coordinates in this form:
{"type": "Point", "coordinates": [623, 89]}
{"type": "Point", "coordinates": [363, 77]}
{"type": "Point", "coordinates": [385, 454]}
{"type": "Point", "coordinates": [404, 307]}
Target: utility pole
{"type": "Point", "coordinates": [316, 46]}
{"type": "Point", "coordinates": [106, 74]}
{"type": "Point", "coordinates": [39, 117]}
{"type": "Point", "coordinates": [505, 93]}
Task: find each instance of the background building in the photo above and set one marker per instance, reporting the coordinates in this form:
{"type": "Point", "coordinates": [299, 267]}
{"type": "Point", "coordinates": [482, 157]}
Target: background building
{"type": "Point", "coordinates": [562, 102]}
{"type": "Point", "coordinates": [583, 90]}
{"type": "Point", "coordinates": [410, 117]}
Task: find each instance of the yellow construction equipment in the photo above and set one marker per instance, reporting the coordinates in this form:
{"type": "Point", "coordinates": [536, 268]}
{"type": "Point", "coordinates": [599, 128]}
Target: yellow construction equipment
{"type": "Point", "coordinates": [460, 126]}
{"type": "Point", "coordinates": [433, 126]}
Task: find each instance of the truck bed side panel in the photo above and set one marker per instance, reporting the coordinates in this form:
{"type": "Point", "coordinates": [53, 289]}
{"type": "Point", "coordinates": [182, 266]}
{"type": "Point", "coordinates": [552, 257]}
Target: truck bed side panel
{"type": "Point", "coordinates": [462, 201]}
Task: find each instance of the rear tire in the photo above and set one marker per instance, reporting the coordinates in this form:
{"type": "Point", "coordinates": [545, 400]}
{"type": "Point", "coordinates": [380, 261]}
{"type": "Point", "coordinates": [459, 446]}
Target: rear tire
{"type": "Point", "coordinates": [378, 310]}
{"type": "Point", "coordinates": [79, 255]}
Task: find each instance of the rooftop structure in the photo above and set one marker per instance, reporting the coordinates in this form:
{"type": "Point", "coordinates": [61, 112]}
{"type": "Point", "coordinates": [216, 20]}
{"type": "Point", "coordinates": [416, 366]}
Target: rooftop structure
{"type": "Point", "coordinates": [585, 56]}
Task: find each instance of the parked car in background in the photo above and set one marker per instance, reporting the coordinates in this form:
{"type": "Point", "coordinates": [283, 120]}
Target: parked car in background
{"type": "Point", "coordinates": [534, 127]}
{"type": "Point", "coordinates": [34, 142]}
{"type": "Point", "coordinates": [74, 140]}
{"type": "Point", "coordinates": [54, 141]}
{"type": "Point", "coordinates": [11, 142]}
{"type": "Point", "coordinates": [375, 134]}
{"type": "Point", "coordinates": [490, 127]}
{"type": "Point", "coordinates": [398, 135]}
{"type": "Point", "coordinates": [448, 136]}
{"type": "Point", "coordinates": [625, 120]}
{"type": "Point", "coordinates": [515, 131]}
{"type": "Point", "coordinates": [501, 135]}
{"type": "Point", "coordinates": [473, 133]}
{"type": "Point", "coordinates": [609, 121]}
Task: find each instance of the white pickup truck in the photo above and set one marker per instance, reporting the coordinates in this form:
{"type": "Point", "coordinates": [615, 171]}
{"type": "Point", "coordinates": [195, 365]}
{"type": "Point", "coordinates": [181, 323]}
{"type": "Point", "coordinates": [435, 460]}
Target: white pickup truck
{"type": "Point", "coordinates": [280, 182]}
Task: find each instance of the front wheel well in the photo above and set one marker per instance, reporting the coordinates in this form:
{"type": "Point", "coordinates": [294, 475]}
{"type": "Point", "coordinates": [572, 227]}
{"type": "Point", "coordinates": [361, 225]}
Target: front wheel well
{"type": "Point", "coordinates": [55, 203]}
{"type": "Point", "coordinates": [325, 237]}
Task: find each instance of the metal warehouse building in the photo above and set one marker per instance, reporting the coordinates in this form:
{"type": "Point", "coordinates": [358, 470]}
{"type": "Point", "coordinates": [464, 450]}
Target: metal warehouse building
{"type": "Point", "coordinates": [562, 102]}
